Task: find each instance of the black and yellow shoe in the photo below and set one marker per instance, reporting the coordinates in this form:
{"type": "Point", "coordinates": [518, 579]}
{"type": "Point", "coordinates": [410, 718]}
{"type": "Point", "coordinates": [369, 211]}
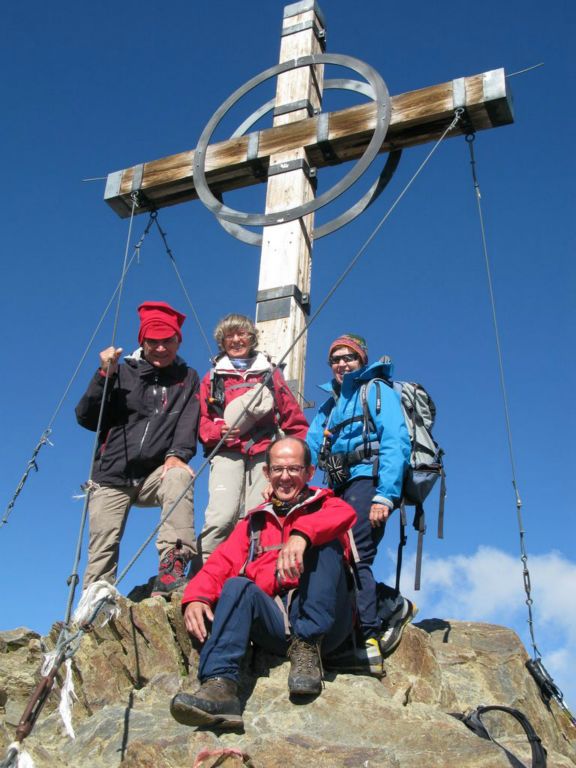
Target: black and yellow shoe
{"type": "Point", "coordinates": [390, 638]}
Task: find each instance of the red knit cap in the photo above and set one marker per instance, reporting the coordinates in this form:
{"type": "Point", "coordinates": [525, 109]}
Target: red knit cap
{"type": "Point", "coordinates": [159, 320]}
{"type": "Point", "coordinates": [357, 343]}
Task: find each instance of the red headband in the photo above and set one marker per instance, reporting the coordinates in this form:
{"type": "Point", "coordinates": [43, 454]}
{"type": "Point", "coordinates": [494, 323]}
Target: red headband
{"type": "Point", "coordinates": [159, 320]}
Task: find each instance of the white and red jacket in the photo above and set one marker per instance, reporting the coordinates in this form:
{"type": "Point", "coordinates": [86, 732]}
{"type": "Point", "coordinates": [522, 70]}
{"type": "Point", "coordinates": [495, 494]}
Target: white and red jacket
{"type": "Point", "coordinates": [321, 518]}
{"type": "Point", "coordinates": [287, 414]}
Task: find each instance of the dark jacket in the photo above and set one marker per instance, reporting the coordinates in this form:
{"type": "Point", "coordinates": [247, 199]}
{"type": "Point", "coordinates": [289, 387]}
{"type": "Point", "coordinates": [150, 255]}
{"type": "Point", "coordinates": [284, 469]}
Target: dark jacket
{"type": "Point", "coordinates": [151, 413]}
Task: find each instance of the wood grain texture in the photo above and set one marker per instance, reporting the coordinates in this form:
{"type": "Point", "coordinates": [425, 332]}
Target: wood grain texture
{"type": "Point", "coordinates": [286, 256]}
{"type": "Point", "coordinates": [417, 117]}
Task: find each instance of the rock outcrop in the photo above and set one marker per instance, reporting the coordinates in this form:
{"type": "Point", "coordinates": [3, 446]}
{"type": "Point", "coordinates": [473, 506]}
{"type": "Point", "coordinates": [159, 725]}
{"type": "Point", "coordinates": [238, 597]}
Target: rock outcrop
{"type": "Point", "coordinates": [126, 672]}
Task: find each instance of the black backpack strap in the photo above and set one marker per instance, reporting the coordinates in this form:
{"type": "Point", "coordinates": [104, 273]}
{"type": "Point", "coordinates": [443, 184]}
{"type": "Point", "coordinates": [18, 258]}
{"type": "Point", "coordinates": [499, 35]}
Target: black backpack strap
{"type": "Point", "coordinates": [216, 393]}
{"type": "Point", "coordinates": [345, 423]}
{"type": "Point", "coordinates": [419, 524]}
{"type": "Point", "coordinates": [401, 544]}
{"type": "Point", "coordinates": [367, 420]}
{"type": "Point", "coordinates": [474, 721]}
{"type": "Point", "coordinates": [441, 503]}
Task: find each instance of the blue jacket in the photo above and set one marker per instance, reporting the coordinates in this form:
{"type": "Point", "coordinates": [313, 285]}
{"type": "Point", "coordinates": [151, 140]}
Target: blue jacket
{"type": "Point", "coordinates": [390, 433]}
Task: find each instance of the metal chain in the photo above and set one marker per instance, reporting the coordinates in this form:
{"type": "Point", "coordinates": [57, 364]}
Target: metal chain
{"type": "Point", "coordinates": [457, 117]}
{"type": "Point", "coordinates": [47, 432]}
{"type": "Point", "coordinates": [524, 556]}
{"type": "Point", "coordinates": [73, 579]}
{"type": "Point", "coordinates": [68, 643]}
{"type": "Point", "coordinates": [32, 465]}
{"type": "Point", "coordinates": [535, 666]}
{"type": "Point", "coordinates": [67, 640]}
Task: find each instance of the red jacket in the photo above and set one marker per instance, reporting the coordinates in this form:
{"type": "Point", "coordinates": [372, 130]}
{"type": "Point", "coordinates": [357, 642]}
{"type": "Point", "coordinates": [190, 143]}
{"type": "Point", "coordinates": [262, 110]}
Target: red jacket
{"type": "Point", "coordinates": [321, 518]}
{"type": "Point", "coordinates": [288, 415]}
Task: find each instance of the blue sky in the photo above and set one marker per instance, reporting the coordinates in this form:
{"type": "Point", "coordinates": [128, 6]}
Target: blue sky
{"type": "Point", "coordinates": [90, 89]}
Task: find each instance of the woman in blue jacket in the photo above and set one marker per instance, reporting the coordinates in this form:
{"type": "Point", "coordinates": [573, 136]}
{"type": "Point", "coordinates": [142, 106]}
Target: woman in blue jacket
{"type": "Point", "coordinates": [359, 438]}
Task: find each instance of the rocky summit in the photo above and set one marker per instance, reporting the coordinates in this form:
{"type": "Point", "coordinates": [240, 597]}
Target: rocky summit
{"type": "Point", "coordinates": [126, 672]}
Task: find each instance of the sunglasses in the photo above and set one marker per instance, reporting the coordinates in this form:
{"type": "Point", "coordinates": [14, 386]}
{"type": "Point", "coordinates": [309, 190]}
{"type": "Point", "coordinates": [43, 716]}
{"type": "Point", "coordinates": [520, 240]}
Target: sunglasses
{"type": "Point", "coordinates": [349, 358]}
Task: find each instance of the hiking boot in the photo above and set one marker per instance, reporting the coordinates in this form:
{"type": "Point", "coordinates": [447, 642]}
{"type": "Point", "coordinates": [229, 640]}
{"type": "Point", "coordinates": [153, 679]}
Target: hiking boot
{"type": "Point", "coordinates": [364, 658]}
{"type": "Point", "coordinates": [215, 703]}
{"type": "Point", "coordinates": [305, 678]}
{"type": "Point", "coordinates": [171, 573]}
{"type": "Point", "coordinates": [389, 640]}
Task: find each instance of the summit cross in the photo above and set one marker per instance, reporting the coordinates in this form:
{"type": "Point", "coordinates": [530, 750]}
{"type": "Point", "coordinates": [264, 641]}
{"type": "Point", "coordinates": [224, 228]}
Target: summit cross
{"type": "Point", "coordinates": [286, 157]}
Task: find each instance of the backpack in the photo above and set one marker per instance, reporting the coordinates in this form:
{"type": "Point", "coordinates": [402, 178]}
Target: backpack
{"type": "Point", "coordinates": [426, 464]}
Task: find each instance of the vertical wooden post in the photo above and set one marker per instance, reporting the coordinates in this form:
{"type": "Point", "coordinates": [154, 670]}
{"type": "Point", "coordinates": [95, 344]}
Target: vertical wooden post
{"type": "Point", "coordinates": [286, 259]}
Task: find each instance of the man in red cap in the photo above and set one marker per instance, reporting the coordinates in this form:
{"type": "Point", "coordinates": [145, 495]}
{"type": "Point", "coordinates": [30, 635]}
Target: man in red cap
{"type": "Point", "coordinates": [146, 439]}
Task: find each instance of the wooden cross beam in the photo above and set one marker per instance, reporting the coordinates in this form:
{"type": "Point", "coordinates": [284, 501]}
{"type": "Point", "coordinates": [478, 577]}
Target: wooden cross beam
{"type": "Point", "coordinates": [418, 117]}
{"type": "Point", "coordinates": [297, 142]}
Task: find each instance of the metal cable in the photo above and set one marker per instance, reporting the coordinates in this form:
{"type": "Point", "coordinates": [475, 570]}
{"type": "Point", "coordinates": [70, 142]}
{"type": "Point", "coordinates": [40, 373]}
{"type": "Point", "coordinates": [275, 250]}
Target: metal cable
{"type": "Point", "coordinates": [524, 557]}
{"type": "Point", "coordinates": [457, 116]}
{"type": "Point", "coordinates": [526, 69]}
{"type": "Point", "coordinates": [47, 432]}
{"type": "Point", "coordinates": [11, 759]}
{"type": "Point", "coordinates": [154, 216]}
{"type": "Point", "coordinates": [73, 578]}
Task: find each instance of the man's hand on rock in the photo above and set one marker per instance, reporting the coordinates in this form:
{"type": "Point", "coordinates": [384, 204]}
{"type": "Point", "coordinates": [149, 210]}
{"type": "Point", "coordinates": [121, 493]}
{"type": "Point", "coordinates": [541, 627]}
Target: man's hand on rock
{"type": "Point", "coordinates": [195, 616]}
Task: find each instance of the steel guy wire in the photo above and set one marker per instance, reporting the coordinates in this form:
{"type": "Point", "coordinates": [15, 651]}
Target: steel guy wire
{"type": "Point", "coordinates": [524, 557]}
{"type": "Point", "coordinates": [526, 69]}
{"type": "Point", "coordinates": [457, 116]}
{"type": "Point", "coordinates": [154, 215]}
{"type": "Point", "coordinates": [47, 432]}
{"type": "Point", "coordinates": [73, 578]}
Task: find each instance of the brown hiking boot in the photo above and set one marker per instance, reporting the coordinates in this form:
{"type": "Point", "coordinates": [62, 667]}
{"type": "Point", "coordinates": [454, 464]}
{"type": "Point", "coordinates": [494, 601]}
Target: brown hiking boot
{"type": "Point", "coordinates": [215, 703]}
{"type": "Point", "coordinates": [305, 678]}
{"type": "Point", "coordinates": [172, 572]}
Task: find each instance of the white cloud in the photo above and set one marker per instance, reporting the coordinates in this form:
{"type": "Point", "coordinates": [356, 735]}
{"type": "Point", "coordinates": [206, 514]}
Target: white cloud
{"type": "Point", "coordinates": [488, 586]}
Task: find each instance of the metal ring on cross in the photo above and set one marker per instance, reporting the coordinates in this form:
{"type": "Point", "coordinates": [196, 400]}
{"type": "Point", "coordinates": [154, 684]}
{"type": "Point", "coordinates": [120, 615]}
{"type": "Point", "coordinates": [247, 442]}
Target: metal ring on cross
{"type": "Point", "coordinates": [223, 212]}
{"type": "Point", "coordinates": [255, 238]}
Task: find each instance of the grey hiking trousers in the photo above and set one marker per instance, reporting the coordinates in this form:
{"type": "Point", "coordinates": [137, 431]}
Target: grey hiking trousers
{"type": "Point", "coordinates": [235, 487]}
{"type": "Point", "coordinates": [109, 507]}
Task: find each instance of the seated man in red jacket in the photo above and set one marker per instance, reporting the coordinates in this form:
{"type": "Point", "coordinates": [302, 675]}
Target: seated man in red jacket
{"type": "Point", "coordinates": [296, 540]}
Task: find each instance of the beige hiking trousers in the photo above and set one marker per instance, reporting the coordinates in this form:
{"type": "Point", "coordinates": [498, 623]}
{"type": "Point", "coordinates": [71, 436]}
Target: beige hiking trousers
{"type": "Point", "coordinates": [235, 487]}
{"type": "Point", "coordinates": [109, 507]}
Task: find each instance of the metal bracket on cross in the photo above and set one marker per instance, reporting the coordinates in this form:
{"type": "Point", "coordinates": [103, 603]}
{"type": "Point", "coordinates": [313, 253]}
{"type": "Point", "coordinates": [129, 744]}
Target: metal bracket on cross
{"type": "Point", "coordinates": [236, 222]}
